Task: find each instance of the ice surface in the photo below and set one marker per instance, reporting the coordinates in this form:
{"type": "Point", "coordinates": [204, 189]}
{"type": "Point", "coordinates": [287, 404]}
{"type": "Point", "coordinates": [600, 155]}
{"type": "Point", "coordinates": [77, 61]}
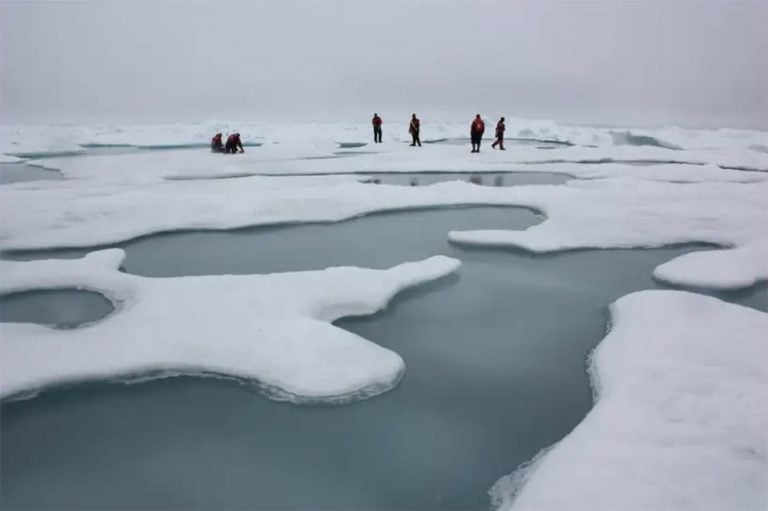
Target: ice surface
{"type": "Point", "coordinates": [283, 160]}
{"type": "Point", "coordinates": [113, 198]}
{"type": "Point", "coordinates": [680, 417]}
{"type": "Point", "coordinates": [680, 422]}
{"type": "Point", "coordinates": [271, 328]}
{"type": "Point", "coordinates": [630, 213]}
{"type": "Point", "coordinates": [721, 269]}
{"type": "Point", "coordinates": [42, 139]}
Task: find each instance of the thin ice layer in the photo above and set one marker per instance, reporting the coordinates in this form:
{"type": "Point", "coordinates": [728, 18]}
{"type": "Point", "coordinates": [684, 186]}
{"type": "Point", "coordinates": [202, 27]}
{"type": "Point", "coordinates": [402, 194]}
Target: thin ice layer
{"type": "Point", "coordinates": [275, 329]}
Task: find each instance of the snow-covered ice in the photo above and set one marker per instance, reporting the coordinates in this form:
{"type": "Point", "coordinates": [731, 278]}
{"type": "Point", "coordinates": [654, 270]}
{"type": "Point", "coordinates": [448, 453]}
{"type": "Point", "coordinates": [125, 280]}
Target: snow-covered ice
{"type": "Point", "coordinates": [624, 213]}
{"type": "Point", "coordinates": [46, 139]}
{"type": "Point", "coordinates": [746, 267]}
{"type": "Point", "coordinates": [318, 159]}
{"type": "Point", "coordinates": [680, 417]}
{"type": "Point", "coordinates": [271, 328]}
{"type": "Point", "coordinates": [111, 198]}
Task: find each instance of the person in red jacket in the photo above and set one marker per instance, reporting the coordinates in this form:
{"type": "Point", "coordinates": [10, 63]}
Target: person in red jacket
{"type": "Point", "coordinates": [414, 129]}
{"type": "Point", "coordinates": [233, 143]}
{"type": "Point", "coordinates": [500, 128]}
{"type": "Point", "coordinates": [376, 129]}
{"type": "Point", "coordinates": [217, 146]}
{"type": "Point", "coordinates": [476, 133]}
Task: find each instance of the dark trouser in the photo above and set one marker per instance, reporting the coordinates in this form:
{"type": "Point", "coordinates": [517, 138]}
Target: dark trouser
{"type": "Point", "coordinates": [499, 141]}
{"type": "Point", "coordinates": [416, 139]}
{"type": "Point", "coordinates": [217, 148]}
{"type": "Point", "coordinates": [231, 148]}
{"type": "Point", "coordinates": [377, 134]}
{"type": "Point", "coordinates": [476, 138]}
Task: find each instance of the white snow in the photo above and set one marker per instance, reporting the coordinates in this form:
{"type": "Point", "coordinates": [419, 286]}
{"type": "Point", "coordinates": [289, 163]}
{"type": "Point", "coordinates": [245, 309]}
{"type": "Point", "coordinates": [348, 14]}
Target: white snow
{"type": "Point", "coordinates": [112, 198]}
{"type": "Point", "coordinates": [272, 328]}
{"type": "Point", "coordinates": [722, 269]}
{"type": "Point", "coordinates": [314, 158]}
{"type": "Point", "coordinates": [625, 213]}
{"type": "Point", "coordinates": [680, 417]}
{"type": "Point", "coordinates": [44, 139]}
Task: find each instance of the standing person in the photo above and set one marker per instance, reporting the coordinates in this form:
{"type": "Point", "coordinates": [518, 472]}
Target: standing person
{"type": "Point", "coordinates": [500, 128]}
{"type": "Point", "coordinates": [476, 133]}
{"type": "Point", "coordinates": [413, 129]}
{"type": "Point", "coordinates": [233, 143]}
{"type": "Point", "coordinates": [376, 129]}
{"type": "Point", "coordinates": [217, 146]}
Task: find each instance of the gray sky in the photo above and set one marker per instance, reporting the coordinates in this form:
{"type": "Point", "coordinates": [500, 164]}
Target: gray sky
{"type": "Point", "coordinates": [697, 63]}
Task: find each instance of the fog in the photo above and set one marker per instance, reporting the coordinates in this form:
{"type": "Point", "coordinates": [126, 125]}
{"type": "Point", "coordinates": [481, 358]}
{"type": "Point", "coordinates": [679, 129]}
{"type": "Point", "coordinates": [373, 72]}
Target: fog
{"type": "Point", "coordinates": [643, 63]}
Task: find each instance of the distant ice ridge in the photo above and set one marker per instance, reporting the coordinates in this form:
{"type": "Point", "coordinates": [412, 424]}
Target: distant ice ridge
{"type": "Point", "coordinates": [62, 139]}
{"type": "Point", "coordinates": [680, 418]}
{"type": "Point", "coordinates": [275, 329]}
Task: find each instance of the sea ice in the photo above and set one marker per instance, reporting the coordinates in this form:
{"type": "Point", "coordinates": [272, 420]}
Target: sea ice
{"type": "Point", "coordinates": [57, 138]}
{"type": "Point", "coordinates": [275, 328]}
{"type": "Point", "coordinates": [680, 417]}
{"type": "Point", "coordinates": [617, 212]}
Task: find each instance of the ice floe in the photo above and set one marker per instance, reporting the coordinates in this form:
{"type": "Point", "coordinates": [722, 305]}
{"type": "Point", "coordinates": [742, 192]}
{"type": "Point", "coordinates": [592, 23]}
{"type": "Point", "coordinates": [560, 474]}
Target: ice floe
{"type": "Point", "coordinates": [619, 212]}
{"type": "Point", "coordinates": [55, 138]}
{"type": "Point", "coordinates": [721, 269]}
{"type": "Point", "coordinates": [625, 213]}
{"type": "Point", "coordinates": [680, 417]}
{"type": "Point", "coordinates": [323, 159]}
{"type": "Point", "coordinates": [275, 329]}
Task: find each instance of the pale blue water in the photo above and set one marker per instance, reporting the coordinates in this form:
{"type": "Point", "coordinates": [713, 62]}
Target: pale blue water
{"type": "Point", "coordinates": [65, 308]}
{"type": "Point", "coordinates": [495, 361]}
{"type": "Point", "coordinates": [20, 173]}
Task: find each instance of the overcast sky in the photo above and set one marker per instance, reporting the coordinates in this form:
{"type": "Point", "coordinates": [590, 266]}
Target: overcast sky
{"type": "Point", "coordinates": [691, 63]}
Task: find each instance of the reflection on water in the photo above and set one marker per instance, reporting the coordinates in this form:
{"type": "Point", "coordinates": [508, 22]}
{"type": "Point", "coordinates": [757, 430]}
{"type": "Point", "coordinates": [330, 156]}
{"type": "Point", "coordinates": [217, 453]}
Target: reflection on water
{"type": "Point", "coordinates": [478, 178]}
{"type": "Point", "coordinates": [495, 361]}
{"type": "Point", "coordinates": [538, 143]}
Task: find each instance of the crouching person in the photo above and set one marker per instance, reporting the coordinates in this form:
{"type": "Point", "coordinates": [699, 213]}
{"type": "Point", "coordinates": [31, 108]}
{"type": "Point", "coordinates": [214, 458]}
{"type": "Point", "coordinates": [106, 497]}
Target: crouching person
{"type": "Point", "coordinates": [217, 145]}
{"type": "Point", "coordinates": [233, 144]}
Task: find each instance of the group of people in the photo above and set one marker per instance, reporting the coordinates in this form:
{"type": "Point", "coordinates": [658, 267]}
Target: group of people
{"type": "Point", "coordinates": [232, 146]}
{"type": "Point", "coordinates": [476, 131]}
{"type": "Point", "coordinates": [478, 128]}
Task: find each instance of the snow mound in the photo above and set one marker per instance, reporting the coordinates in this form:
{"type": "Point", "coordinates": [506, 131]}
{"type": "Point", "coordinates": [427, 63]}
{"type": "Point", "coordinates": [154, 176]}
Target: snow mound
{"type": "Point", "coordinates": [629, 138]}
{"type": "Point", "coordinates": [680, 419]}
{"type": "Point", "coordinates": [274, 329]}
{"type": "Point", "coordinates": [721, 269]}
